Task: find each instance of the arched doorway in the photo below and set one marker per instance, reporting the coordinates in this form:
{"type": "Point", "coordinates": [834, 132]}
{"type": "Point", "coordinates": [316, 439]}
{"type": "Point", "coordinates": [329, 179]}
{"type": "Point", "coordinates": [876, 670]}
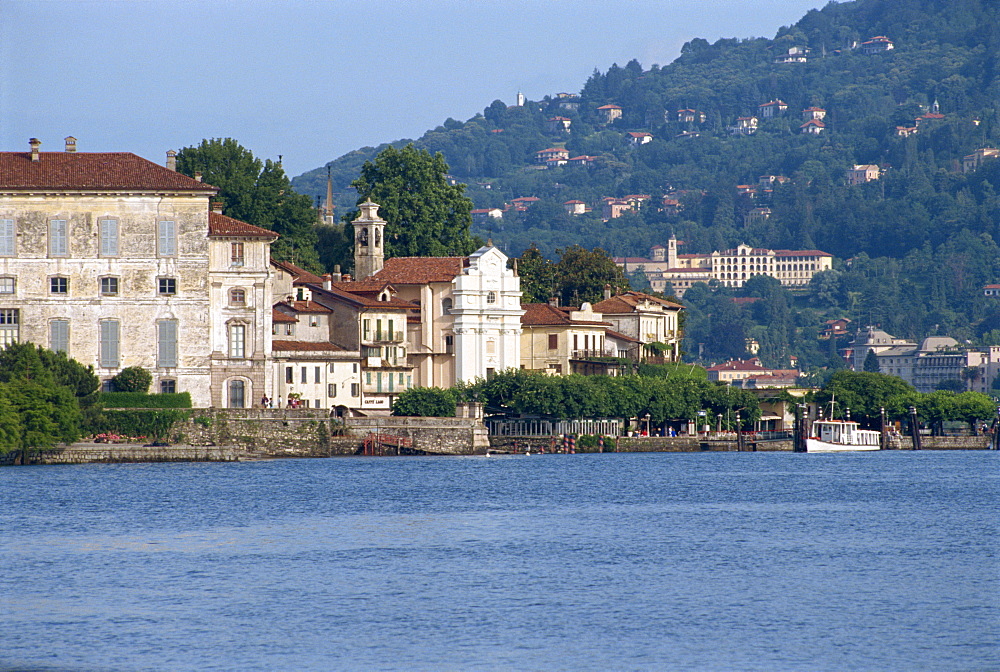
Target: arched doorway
{"type": "Point", "coordinates": [237, 394]}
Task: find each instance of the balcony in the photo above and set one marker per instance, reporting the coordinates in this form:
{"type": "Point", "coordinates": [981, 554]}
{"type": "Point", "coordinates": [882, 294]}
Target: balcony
{"type": "Point", "coordinates": [382, 337]}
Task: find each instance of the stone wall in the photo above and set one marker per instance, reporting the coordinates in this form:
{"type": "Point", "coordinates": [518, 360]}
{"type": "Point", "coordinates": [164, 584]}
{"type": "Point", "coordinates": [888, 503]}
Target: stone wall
{"type": "Point", "coordinates": [444, 436]}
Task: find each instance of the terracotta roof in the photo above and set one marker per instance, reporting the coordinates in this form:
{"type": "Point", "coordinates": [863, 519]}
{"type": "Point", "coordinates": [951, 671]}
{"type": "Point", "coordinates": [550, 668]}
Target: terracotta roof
{"type": "Point", "coordinates": [738, 365]}
{"type": "Point", "coordinates": [801, 253]}
{"type": "Point", "coordinates": [627, 303]}
{"type": "Point", "coordinates": [117, 171]}
{"type": "Point", "coordinates": [281, 316]}
{"type": "Point", "coordinates": [542, 314]}
{"type": "Point", "coordinates": [304, 346]}
{"type": "Point", "coordinates": [813, 122]}
{"type": "Point", "coordinates": [309, 307]}
{"type": "Point", "coordinates": [299, 275]}
{"type": "Point", "coordinates": [220, 225]}
{"type": "Point", "coordinates": [360, 299]}
{"type": "Point", "coordinates": [609, 107]}
{"type": "Point", "coordinates": [420, 270]}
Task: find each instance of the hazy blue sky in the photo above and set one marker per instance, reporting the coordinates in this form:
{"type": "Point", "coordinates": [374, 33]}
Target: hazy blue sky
{"type": "Point", "coordinates": [313, 80]}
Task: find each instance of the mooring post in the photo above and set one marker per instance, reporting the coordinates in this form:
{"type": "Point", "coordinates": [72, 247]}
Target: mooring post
{"type": "Point", "coordinates": [883, 436]}
{"type": "Point", "coordinates": [914, 428]}
{"type": "Point", "coordinates": [739, 435]}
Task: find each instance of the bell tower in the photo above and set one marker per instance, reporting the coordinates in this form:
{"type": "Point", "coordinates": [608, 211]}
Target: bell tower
{"type": "Point", "coordinates": [369, 236]}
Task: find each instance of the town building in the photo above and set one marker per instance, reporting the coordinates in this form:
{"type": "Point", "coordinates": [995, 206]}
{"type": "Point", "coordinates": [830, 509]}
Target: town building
{"type": "Point", "coordinates": [879, 44]}
{"type": "Point", "coordinates": [973, 161]}
{"type": "Point", "coordinates": [646, 319]}
{"type": "Point", "coordinates": [639, 138]}
{"type": "Point", "coordinates": [772, 108]}
{"type": "Point", "coordinates": [810, 113]}
{"type": "Point", "coordinates": [812, 127]}
{"type": "Point", "coordinates": [120, 262]}
{"type": "Point", "coordinates": [793, 55]}
{"type": "Point", "coordinates": [936, 359]}
{"type": "Point", "coordinates": [560, 341]}
{"type": "Point", "coordinates": [482, 216]}
{"type": "Point", "coordinates": [542, 156]}
{"type": "Point", "coordinates": [744, 126]}
{"type": "Point", "coordinates": [575, 207]}
{"type": "Point", "coordinates": [558, 124]}
{"type": "Point", "coordinates": [861, 173]}
{"type": "Point", "coordinates": [609, 113]}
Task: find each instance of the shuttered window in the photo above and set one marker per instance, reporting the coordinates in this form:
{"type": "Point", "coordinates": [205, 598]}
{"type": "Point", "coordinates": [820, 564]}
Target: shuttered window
{"type": "Point", "coordinates": [109, 344]}
{"type": "Point", "coordinates": [109, 237]}
{"type": "Point", "coordinates": [59, 335]}
{"type": "Point", "coordinates": [8, 240]}
{"type": "Point", "coordinates": [58, 242]}
{"type": "Point", "coordinates": [167, 238]}
{"type": "Point", "coordinates": [167, 343]}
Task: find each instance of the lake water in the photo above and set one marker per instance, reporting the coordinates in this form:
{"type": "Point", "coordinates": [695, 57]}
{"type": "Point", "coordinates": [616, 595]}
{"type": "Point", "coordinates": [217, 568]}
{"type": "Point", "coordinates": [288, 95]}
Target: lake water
{"type": "Point", "coordinates": [716, 561]}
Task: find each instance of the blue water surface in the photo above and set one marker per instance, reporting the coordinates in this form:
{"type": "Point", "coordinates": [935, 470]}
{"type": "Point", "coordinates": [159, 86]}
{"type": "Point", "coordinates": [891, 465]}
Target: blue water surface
{"type": "Point", "coordinates": [717, 561]}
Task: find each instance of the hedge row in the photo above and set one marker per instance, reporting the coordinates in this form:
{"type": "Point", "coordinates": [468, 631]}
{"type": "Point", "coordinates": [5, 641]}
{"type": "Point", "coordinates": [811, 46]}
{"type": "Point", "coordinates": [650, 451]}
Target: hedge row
{"type": "Point", "coordinates": [149, 423]}
{"type": "Point", "coordinates": [141, 400]}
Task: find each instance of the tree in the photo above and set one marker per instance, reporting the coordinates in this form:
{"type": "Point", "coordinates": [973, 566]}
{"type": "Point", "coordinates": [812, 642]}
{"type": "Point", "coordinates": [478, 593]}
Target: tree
{"type": "Point", "coordinates": [132, 379]}
{"type": "Point", "coordinates": [425, 402]}
{"type": "Point", "coordinates": [581, 275]}
{"type": "Point", "coordinates": [425, 216]}
{"type": "Point", "coordinates": [258, 193]}
{"type": "Point", "coordinates": [865, 393]}
{"type": "Point", "coordinates": [538, 276]}
{"type": "Point", "coordinates": [871, 362]}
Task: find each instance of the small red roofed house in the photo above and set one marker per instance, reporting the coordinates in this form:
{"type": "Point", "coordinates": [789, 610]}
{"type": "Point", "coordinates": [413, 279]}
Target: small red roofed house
{"type": "Point", "coordinates": [812, 127]}
{"type": "Point", "coordinates": [991, 290]}
{"type": "Point", "coordinates": [639, 138]}
{"type": "Point", "coordinates": [772, 108]}
{"type": "Point", "coordinates": [575, 207]}
{"type": "Point", "coordinates": [877, 45]}
{"type": "Point", "coordinates": [813, 113]}
{"type": "Point", "coordinates": [610, 112]}
{"type": "Point", "coordinates": [558, 125]}
{"type": "Point", "coordinates": [551, 153]}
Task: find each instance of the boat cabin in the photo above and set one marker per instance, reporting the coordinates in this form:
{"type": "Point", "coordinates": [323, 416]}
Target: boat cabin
{"type": "Point", "coordinates": [845, 433]}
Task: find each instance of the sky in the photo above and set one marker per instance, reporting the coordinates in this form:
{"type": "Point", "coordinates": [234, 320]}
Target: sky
{"type": "Point", "coordinates": [312, 80]}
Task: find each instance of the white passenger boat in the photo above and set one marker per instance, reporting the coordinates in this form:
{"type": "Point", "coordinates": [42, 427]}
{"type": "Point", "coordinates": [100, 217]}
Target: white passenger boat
{"type": "Point", "coordinates": [841, 435]}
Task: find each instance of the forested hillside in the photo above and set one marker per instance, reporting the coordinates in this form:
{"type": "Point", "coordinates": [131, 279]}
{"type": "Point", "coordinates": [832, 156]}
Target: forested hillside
{"type": "Point", "coordinates": [915, 246]}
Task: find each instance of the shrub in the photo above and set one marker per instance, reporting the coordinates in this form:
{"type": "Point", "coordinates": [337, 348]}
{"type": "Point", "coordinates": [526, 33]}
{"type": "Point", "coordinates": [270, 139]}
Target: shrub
{"type": "Point", "coordinates": [154, 423]}
{"type": "Point", "coordinates": [132, 379]}
{"type": "Point", "coordinates": [143, 400]}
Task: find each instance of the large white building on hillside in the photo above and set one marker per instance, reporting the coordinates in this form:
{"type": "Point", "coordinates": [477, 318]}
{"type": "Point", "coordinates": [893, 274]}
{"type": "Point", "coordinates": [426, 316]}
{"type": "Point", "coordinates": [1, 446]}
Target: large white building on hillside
{"type": "Point", "coordinates": [732, 268]}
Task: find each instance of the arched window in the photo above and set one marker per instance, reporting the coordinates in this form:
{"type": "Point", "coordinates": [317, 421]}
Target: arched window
{"type": "Point", "coordinates": [491, 297]}
{"type": "Point", "coordinates": [446, 306]}
{"type": "Point", "coordinates": [237, 394]}
{"type": "Point", "coordinates": [237, 297]}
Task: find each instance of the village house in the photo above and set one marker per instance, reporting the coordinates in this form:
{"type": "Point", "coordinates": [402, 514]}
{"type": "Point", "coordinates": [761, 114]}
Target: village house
{"type": "Point", "coordinates": [793, 55]}
{"type": "Point", "coordinates": [812, 127]}
{"type": "Point", "coordinates": [575, 207]}
{"type": "Point", "coordinates": [862, 173]}
{"type": "Point", "coordinates": [973, 161]}
{"type": "Point", "coordinates": [646, 319]}
{"type": "Point", "coordinates": [609, 113]}
{"type": "Point", "coordinates": [834, 328]}
{"type": "Point", "coordinates": [751, 374]}
{"type": "Point", "coordinates": [120, 262]}
{"type": "Point", "coordinates": [639, 138]}
{"type": "Point", "coordinates": [582, 160]}
{"type": "Point", "coordinates": [905, 131]}
{"type": "Point", "coordinates": [558, 124]}
{"type": "Point", "coordinates": [688, 116]}
{"type": "Point", "coordinates": [991, 290]}
{"type": "Point", "coordinates": [756, 216]}
{"type": "Point", "coordinates": [817, 113]}
{"type": "Point", "coordinates": [522, 203]}
{"type": "Point", "coordinates": [561, 341]}
{"type": "Point", "coordinates": [877, 45]}
{"type": "Point", "coordinates": [481, 216]}
{"type": "Point", "coordinates": [772, 108]}
{"type": "Point", "coordinates": [744, 126]}
{"type": "Point", "coordinates": [551, 153]}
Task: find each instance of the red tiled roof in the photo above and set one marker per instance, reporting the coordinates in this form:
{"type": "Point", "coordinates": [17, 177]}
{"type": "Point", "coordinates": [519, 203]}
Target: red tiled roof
{"type": "Point", "coordinates": [737, 365]}
{"type": "Point", "coordinates": [627, 303]}
{"type": "Point", "coordinates": [281, 316]}
{"type": "Point", "coordinates": [309, 307]}
{"type": "Point", "coordinates": [813, 122]}
{"type": "Point", "coordinates": [801, 253]}
{"type": "Point", "coordinates": [544, 315]}
{"type": "Point", "coordinates": [363, 299]}
{"type": "Point", "coordinates": [420, 270]}
{"type": "Point", "coordinates": [304, 346]}
{"type": "Point", "coordinates": [104, 171]}
{"type": "Point", "coordinates": [609, 107]}
{"type": "Point", "coordinates": [298, 275]}
{"type": "Point", "coordinates": [220, 225]}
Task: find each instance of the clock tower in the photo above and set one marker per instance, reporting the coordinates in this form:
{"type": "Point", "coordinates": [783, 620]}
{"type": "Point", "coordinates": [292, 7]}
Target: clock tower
{"type": "Point", "coordinates": [369, 237]}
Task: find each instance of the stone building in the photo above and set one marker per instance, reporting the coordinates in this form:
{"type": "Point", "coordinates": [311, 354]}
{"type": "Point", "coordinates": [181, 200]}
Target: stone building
{"type": "Point", "coordinates": [119, 262]}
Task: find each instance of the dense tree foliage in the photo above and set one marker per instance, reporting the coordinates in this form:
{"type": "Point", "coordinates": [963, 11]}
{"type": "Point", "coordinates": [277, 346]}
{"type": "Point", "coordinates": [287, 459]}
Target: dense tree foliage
{"type": "Point", "coordinates": [425, 216]}
{"type": "Point", "coordinates": [259, 193]}
{"type": "Point", "coordinates": [426, 402]}
{"type": "Point", "coordinates": [918, 244]}
{"type": "Point", "coordinates": [132, 379]}
{"type": "Point", "coordinates": [41, 396]}
{"type": "Point", "coordinates": [579, 275]}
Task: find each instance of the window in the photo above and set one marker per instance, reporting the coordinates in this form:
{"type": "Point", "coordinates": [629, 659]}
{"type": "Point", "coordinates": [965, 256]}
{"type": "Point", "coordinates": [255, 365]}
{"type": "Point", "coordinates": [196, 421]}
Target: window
{"type": "Point", "coordinates": [109, 344]}
{"type": "Point", "coordinates": [366, 327]}
{"type": "Point", "coordinates": [107, 385]}
{"type": "Point", "coordinates": [9, 321]}
{"type": "Point", "coordinates": [304, 375]}
{"type": "Point", "coordinates": [237, 297]}
{"type": "Point", "coordinates": [236, 258]}
{"type": "Point", "coordinates": [289, 375]}
{"type": "Point", "coordinates": [316, 375]}
{"type": "Point", "coordinates": [491, 297]}
{"type": "Point", "coordinates": [553, 341]}
{"type": "Point", "coordinates": [109, 237]}
{"type": "Point", "coordinates": [7, 285]}
{"type": "Point", "coordinates": [331, 390]}
{"type": "Point", "coordinates": [449, 345]}
{"type": "Point", "coordinates": [166, 343]}
{"type": "Point", "coordinates": [8, 238]}
{"type": "Point", "coordinates": [236, 393]}
{"type": "Point", "coordinates": [446, 306]}
{"type": "Point", "coordinates": [237, 342]}
{"type": "Point", "coordinates": [490, 373]}
{"type": "Point", "coordinates": [166, 286]}
{"type": "Point", "coordinates": [289, 329]}
{"type": "Point", "coordinates": [58, 240]}
{"type": "Point", "coordinates": [166, 238]}
{"type": "Point", "coordinates": [491, 347]}
{"type": "Point", "coordinates": [109, 286]}
{"type": "Point", "coordinates": [59, 285]}
{"type": "Point", "coordinates": [59, 335]}
{"type": "Point", "coordinates": [168, 386]}
{"type": "Point", "coordinates": [300, 294]}
{"type": "Point", "coordinates": [313, 321]}
{"type": "Point", "coordinates": [355, 390]}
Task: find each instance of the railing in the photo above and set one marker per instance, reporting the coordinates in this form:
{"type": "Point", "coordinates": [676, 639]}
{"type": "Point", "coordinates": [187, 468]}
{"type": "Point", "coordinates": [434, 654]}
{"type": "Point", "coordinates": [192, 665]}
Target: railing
{"type": "Point", "coordinates": [589, 354]}
{"type": "Point", "coordinates": [383, 337]}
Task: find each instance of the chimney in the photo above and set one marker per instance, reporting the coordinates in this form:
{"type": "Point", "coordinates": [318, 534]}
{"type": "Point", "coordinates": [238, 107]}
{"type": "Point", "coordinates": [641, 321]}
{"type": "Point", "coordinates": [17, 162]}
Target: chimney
{"type": "Point", "coordinates": [172, 160]}
{"type": "Point", "coordinates": [327, 282]}
{"type": "Point", "coordinates": [554, 301]}
{"type": "Point", "coordinates": [71, 144]}
{"type": "Point", "coordinates": [336, 276]}
{"type": "Point", "coordinates": [197, 176]}
{"type": "Point", "coordinates": [35, 144]}
{"type": "Point", "coordinates": [346, 277]}
{"type": "Point", "coordinates": [217, 207]}
{"type": "Point", "coordinates": [607, 292]}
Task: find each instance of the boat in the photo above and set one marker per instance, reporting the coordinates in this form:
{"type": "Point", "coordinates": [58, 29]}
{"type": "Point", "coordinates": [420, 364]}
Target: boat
{"type": "Point", "coordinates": [841, 436]}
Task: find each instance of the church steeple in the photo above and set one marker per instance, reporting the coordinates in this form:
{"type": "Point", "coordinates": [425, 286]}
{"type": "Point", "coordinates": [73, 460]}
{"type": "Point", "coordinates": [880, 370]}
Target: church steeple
{"type": "Point", "coordinates": [328, 218]}
{"type": "Point", "coordinates": [369, 236]}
